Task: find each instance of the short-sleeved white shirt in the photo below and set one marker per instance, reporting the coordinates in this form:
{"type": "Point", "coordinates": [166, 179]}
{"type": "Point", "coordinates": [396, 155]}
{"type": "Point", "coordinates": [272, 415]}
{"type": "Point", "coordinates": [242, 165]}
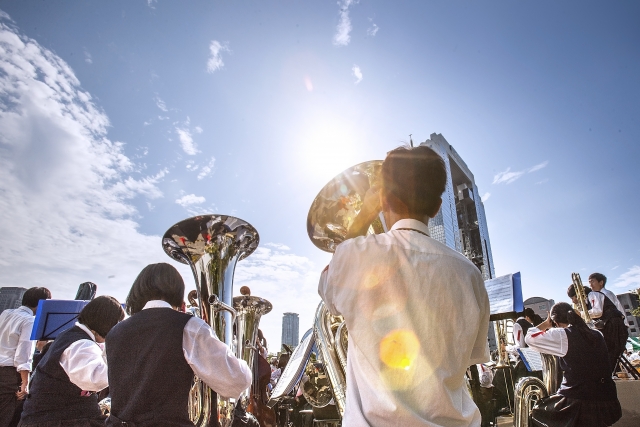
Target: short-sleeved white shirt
{"type": "Point", "coordinates": [417, 314]}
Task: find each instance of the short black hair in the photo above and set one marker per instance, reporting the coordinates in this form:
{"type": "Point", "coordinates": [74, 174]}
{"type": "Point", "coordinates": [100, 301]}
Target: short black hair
{"type": "Point", "coordinates": [32, 296]}
{"type": "Point", "coordinates": [571, 292]}
{"type": "Point", "coordinates": [599, 278]}
{"type": "Point", "coordinates": [156, 282]}
{"type": "Point", "coordinates": [101, 314]}
{"type": "Point", "coordinates": [413, 179]}
{"type": "Point", "coordinates": [528, 312]}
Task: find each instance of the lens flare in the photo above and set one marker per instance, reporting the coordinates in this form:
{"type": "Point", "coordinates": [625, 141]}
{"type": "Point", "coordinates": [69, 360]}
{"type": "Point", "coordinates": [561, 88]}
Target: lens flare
{"type": "Point", "coordinates": [399, 349]}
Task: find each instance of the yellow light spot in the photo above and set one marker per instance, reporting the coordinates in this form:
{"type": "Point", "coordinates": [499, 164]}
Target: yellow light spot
{"type": "Point", "coordinates": [371, 281]}
{"type": "Point", "coordinates": [399, 349]}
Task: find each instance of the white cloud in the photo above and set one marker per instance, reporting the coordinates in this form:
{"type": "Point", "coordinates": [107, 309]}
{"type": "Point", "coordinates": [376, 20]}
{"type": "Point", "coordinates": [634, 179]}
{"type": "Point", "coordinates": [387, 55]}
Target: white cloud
{"type": "Point", "coordinates": [160, 104]}
{"type": "Point", "coordinates": [288, 281]}
{"type": "Point", "coordinates": [342, 36]}
{"type": "Point", "coordinates": [87, 57]}
{"type": "Point", "coordinates": [485, 197]}
{"type": "Point", "coordinates": [64, 185]}
{"type": "Point", "coordinates": [357, 73]}
{"type": "Point", "coordinates": [630, 279]}
{"type": "Point", "coordinates": [186, 139]}
{"type": "Point", "coordinates": [151, 3]}
{"type": "Point", "coordinates": [373, 30]}
{"type": "Point", "coordinates": [190, 199]}
{"type": "Point", "coordinates": [215, 61]}
{"type": "Point", "coordinates": [206, 170]}
{"type": "Point", "coordinates": [508, 176]}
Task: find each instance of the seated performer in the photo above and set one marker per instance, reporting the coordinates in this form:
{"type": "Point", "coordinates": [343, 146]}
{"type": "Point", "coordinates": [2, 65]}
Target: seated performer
{"type": "Point", "coordinates": [608, 319]}
{"type": "Point", "coordinates": [64, 386]}
{"type": "Point", "coordinates": [154, 354]}
{"type": "Point", "coordinates": [587, 396]}
{"type": "Point", "coordinates": [417, 311]}
{"type": "Point", "coordinates": [521, 326]}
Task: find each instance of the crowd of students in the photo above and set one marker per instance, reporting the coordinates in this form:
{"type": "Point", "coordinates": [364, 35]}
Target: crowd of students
{"type": "Point", "coordinates": [152, 357]}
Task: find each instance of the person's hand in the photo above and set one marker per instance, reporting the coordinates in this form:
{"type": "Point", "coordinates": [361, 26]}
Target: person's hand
{"type": "Point", "coordinates": [22, 393]}
{"type": "Point", "coordinates": [371, 206]}
{"type": "Point", "coordinates": [371, 203]}
{"type": "Point", "coordinates": [547, 324]}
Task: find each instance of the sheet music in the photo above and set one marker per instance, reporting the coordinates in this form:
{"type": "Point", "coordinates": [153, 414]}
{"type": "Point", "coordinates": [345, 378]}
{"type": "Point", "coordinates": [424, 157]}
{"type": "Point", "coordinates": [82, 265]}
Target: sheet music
{"type": "Point", "coordinates": [531, 358]}
{"type": "Point", "coordinates": [500, 292]}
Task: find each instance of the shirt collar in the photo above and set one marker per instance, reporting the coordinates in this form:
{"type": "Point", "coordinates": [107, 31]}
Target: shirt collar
{"type": "Point", "coordinates": [413, 224]}
{"type": "Point", "coordinates": [87, 330]}
{"type": "Point", "coordinates": [26, 309]}
{"type": "Point", "coordinates": [156, 304]}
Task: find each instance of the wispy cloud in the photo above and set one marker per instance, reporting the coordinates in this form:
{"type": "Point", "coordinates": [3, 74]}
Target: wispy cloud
{"type": "Point", "coordinates": [215, 60]}
{"type": "Point", "coordinates": [630, 279]}
{"type": "Point", "coordinates": [87, 57]}
{"type": "Point", "coordinates": [151, 3]}
{"type": "Point", "coordinates": [485, 197]}
{"type": "Point", "coordinates": [342, 37]}
{"type": "Point", "coordinates": [186, 137]}
{"type": "Point", "coordinates": [207, 169]}
{"type": "Point", "coordinates": [373, 29]}
{"type": "Point", "coordinates": [508, 176]}
{"type": "Point", "coordinates": [65, 187]}
{"type": "Point", "coordinates": [190, 199]}
{"type": "Point", "coordinates": [357, 73]}
{"type": "Point", "coordinates": [161, 104]}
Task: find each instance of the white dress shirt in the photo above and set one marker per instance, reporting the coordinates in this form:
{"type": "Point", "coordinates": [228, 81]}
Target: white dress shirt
{"type": "Point", "coordinates": [418, 315]}
{"type": "Point", "coordinates": [211, 359]}
{"type": "Point", "coordinates": [614, 299]}
{"type": "Point", "coordinates": [85, 363]}
{"type": "Point", "coordinates": [552, 341]}
{"type": "Point", "coordinates": [16, 347]}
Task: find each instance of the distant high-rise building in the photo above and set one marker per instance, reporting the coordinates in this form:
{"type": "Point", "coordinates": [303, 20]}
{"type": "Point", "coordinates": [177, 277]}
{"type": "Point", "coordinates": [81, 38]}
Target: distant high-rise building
{"type": "Point", "coordinates": [541, 306]}
{"type": "Point", "coordinates": [11, 297]}
{"type": "Point", "coordinates": [629, 302]}
{"type": "Point", "coordinates": [290, 335]}
{"type": "Point", "coordinates": [461, 223]}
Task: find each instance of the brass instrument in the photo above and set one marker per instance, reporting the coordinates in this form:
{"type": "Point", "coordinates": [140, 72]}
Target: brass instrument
{"type": "Point", "coordinates": [212, 245]}
{"type": "Point", "coordinates": [529, 390]}
{"type": "Point", "coordinates": [249, 310]}
{"type": "Point", "coordinates": [582, 299]}
{"type": "Point", "coordinates": [331, 214]}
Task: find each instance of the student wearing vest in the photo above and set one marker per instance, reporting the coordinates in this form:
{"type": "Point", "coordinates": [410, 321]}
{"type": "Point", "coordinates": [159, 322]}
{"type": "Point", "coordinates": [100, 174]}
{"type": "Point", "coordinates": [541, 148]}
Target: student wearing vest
{"type": "Point", "coordinates": [587, 396]}
{"type": "Point", "coordinates": [63, 391]}
{"type": "Point", "coordinates": [609, 320]}
{"type": "Point", "coordinates": [154, 354]}
{"type": "Point", "coordinates": [16, 352]}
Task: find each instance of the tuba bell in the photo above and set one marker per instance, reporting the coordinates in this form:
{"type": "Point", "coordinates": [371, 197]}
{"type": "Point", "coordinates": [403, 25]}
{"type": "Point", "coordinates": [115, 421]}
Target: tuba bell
{"type": "Point", "coordinates": [212, 245]}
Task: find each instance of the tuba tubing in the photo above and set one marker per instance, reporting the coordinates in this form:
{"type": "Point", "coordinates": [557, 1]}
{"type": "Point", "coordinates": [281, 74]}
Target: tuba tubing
{"type": "Point", "coordinates": [212, 245]}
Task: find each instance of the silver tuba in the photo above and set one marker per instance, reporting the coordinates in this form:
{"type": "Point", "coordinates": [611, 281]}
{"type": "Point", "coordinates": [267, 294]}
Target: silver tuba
{"type": "Point", "coordinates": [529, 390]}
{"type": "Point", "coordinates": [212, 245]}
{"type": "Point", "coordinates": [330, 216]}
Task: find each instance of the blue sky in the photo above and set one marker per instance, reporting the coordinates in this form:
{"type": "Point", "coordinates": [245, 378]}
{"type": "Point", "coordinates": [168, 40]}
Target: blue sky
{"type": "Point", "coordinates": [119, 119]}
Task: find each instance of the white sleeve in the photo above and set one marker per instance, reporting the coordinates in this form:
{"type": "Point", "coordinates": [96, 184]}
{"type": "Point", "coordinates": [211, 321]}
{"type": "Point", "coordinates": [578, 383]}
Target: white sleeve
{"type": "Point", "coordinates": [212, 361]}
{"type": "Point", "coordinates": [480, 352]}
{"type": "Point", "coordinates": [518, 336]}
{"type": "Point", "coordinates": [24, 351]}
{"type": "Point", "coordinates": [595, 298]}
{"type": "Point", "coordinates": [552, 341]}
{"type": "Point", "coordinates": [86, 365]}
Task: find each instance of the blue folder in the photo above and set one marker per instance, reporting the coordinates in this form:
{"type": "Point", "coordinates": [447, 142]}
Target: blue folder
{"type": "Point", "coordinates": [55, 316]}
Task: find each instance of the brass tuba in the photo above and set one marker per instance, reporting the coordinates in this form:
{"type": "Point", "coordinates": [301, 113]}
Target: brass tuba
{"type": "Point", "coordinates": [330, 216]}
{"type": "Point", "coordinates": [529, 390]}
{"type": "Point", "coordinates": [212, 245]}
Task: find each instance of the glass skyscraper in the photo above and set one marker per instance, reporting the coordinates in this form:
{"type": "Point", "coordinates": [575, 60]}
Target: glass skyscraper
{"type": "Point", "coordinates": [290, 324]}
{"type": "Point", "coordinates": [461, 223]}
{"type": "Point", "coordinates": [11, 297]}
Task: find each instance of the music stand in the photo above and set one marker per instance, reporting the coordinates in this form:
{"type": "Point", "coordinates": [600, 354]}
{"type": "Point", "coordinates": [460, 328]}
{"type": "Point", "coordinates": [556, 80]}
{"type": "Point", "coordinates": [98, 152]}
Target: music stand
{"type": "Point", "coordinates": [55, 316]}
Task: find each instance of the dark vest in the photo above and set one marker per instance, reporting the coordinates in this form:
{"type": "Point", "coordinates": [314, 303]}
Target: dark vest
{"type": "Point", "coordinates": [609, 309]}
{"type": "Point", "coordinates": [52, 396]}
{"type": "Point", "coordinates": [525, 325]}
{"type": "Point", "coordinates": [587, 374]}
{"type": "Point", "coordinates": [149, 378]}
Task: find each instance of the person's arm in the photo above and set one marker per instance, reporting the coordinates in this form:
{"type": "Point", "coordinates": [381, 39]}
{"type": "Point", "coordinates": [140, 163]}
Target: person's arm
{"type": "Point", "coordinates": [518, 336]}
{"type": "Point", "coordinates": [213, 361]}
{"type": "Point", "coordinates": [480, 352]}
{"type": "Point", "coordinates": [24, 356]}
{"type": "Point", "coordinates": [85, 365]}
{"type": "Point", "coordinates": [595, 298]}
